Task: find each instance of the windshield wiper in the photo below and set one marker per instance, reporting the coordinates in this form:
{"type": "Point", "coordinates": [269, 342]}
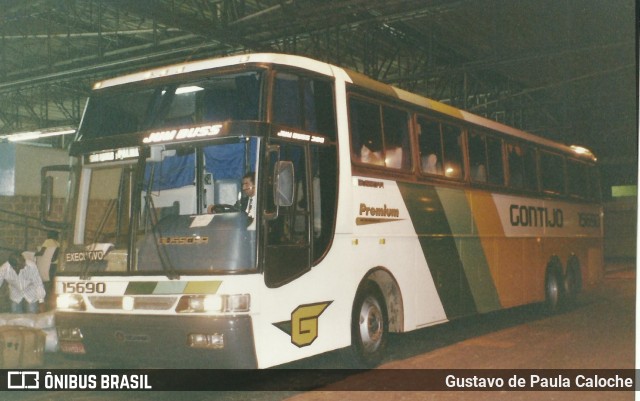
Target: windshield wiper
{"type": "Point", "coordinates": [165, 260]}
{"type": "Point", "coordinates": [94, 244]}
{"type": "Point", "coordinates": [151, 217]}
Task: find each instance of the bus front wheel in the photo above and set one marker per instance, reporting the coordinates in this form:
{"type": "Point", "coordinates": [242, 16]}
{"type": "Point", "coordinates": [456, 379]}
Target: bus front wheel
{"type": "Point", "coordinates": [369, 325]}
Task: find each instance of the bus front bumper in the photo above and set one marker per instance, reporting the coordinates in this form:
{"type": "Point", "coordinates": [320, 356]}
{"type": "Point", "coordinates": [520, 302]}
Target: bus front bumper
{"type": "Point", "coordinates": [216, 342]}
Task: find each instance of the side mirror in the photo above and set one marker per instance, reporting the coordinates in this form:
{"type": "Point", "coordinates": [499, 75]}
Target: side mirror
{"type": "Point", "coordinates": [284, 179]}
{"type": "Point", "coordinates": [53, 180]}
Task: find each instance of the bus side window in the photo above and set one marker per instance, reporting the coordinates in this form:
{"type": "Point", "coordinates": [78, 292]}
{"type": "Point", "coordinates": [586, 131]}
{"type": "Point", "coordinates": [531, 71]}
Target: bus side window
{"type": "Point", "coordinates": [494, 159]}
{"type": "Point", "coordinates": [397, 152]}
{"type": "Point", "coordinates": [366, 132]}
{"type": "Point", "coordinates": [452, 146]}
{"type": "Point", "coordinates": [530, 168]}
{"type": "Point", "coordinates": [485, 158]}
{"type": "Point", "coordinates": [430, 145]}
{"type": "Point", "coordinates": [552, 172]}
{"type": "Point", "coordinates": [522, 167]}
{"type": "Point", "coordinates": [577, 178]}
{"type": "Point", "coordinates": [324, 193]}
{"type": "Point", "coordinates": [477, 157]}
{"type": "Point", "coordinates": [291, 225]}
{"type": "Point", "coordinates": [515, 166]}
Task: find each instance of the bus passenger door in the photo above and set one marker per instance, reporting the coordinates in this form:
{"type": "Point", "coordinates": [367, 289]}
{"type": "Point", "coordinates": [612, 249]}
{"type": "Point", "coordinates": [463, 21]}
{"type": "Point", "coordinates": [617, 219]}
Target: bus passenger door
{"type": "Point", "coordinates": [286, 231]}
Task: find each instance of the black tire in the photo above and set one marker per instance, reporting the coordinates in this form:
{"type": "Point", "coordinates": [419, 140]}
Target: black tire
{"type": "Point", "coordinates": [369, 325]}
{"type": "Point", "coordinates": [553, 286]}
{"type": "Point", "coordinates": [572, 279]}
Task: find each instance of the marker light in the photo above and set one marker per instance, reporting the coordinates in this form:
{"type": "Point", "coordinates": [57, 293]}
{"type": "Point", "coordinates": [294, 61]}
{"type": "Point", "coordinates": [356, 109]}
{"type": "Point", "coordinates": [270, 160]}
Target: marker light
{"type": "Point", "coordinates": [188, 89]}
{"type": "Point", "coordinates": [580, 150]}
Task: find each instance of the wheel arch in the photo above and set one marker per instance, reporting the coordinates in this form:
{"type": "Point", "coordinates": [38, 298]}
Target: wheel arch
{"type": "Point", "coordinates": [390, 290]}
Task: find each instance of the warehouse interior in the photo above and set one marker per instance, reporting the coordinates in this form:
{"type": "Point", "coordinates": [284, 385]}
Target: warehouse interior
{"type": "Point", "coordinates": [561, 69]}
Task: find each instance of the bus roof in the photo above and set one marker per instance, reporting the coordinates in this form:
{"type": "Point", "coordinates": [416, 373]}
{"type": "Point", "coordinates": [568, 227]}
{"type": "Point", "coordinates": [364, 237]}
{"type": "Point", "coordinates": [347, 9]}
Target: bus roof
{"type": "Point", "coordinates": [354, 77]}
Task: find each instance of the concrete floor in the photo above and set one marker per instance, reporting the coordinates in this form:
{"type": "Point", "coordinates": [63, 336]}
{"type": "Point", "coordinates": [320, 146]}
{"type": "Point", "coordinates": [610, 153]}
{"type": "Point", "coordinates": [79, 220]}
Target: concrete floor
{"type": "Point", "coordinates": [597, 333]}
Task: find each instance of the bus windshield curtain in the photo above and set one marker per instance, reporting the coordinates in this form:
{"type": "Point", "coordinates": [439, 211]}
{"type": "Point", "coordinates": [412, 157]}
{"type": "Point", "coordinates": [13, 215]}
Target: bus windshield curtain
{"type": "Point", "coordinates": [228, 161]}
{"type": "Point", "coordinates": [223, 161]}
{"type": "Point", "coordinates": [173, 172]}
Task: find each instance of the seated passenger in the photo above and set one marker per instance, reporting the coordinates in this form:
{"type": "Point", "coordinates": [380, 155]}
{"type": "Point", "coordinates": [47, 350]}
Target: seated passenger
{"type": "Point", "coordinates": [479, 173]}
{"type": "Point", "coordinates": [430, 164]}
{"type": "Point", "coordinates": [394, 157]}
{"type": "Point", "coordinates": [370, 157]}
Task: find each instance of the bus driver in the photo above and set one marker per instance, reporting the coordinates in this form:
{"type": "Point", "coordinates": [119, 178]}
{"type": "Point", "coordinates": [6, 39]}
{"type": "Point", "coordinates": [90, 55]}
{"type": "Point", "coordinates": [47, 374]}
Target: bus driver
{"type": "Point", "coordinates": [247, 202]}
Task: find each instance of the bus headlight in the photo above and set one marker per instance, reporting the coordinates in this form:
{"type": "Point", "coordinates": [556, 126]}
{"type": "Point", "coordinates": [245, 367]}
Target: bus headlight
{"type": "Point", "coordinates": [214, 303]}
{"type": "Point", "coordinates": [72, 302]}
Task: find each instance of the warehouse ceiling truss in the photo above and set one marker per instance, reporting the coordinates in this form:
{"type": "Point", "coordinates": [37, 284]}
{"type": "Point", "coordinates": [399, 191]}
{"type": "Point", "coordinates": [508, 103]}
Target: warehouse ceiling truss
{"type": "Point", "coordinates": [564, 69]}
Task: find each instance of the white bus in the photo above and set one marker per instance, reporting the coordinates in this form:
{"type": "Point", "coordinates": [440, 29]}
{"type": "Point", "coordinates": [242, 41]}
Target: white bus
{"type": "Point", "coordinates": [376, 211]}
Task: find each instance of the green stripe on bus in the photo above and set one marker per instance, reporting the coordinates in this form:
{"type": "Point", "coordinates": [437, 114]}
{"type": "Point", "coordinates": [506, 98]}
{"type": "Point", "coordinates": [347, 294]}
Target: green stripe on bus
{"type": "Point", "coordinates": [439, 247]}
{"type": "Point", "coordinates": [476, 268]}
{"type": "Point", "coordinates": [170, 287]}
{"type": "Point", "coordinates": [141, 288]}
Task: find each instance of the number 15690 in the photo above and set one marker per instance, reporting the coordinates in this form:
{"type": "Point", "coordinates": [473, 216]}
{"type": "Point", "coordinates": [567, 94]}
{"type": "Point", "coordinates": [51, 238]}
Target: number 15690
{"type": "Point", "coordinates": [88, 287]}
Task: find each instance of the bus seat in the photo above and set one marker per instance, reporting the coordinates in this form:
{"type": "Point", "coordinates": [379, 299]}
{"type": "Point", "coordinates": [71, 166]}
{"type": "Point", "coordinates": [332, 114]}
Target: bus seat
{"type": "Point", "coordinates": [225, 191]}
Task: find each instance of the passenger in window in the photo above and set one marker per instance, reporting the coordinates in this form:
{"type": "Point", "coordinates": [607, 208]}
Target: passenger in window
{"type": "Point", "coordinates": [515, 167]}
{"type": "Point", "coordinates": [430, 164]}
{"type": "Point", "coordinates": [479, 173]}
{"type": "Point", "coordinates": [371, 157]}
{"type": "Point", "coordinates": [393, 157]}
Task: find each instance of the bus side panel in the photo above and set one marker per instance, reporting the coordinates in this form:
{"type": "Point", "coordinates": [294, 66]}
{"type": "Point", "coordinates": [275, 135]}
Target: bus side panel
{"type": "Point", "coordinates": [513, 262]}
{"type": "Point", "coordinates": [535, 230]}
{"type": "Point", "coordinates": [385, 237]}
{"type": "Point", "coordinates": [309, 315]}
{"type": "Point", "coordinates": [459, 213]}
{"type": "Point", "coordinates": [439, 245]}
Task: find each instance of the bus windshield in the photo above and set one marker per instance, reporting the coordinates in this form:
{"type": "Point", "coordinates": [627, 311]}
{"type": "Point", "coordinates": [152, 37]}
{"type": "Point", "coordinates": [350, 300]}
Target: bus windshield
{"type": "Point", "coordinates": [185, 213]}
{"type": "Point", "coordinates": [217, 98]}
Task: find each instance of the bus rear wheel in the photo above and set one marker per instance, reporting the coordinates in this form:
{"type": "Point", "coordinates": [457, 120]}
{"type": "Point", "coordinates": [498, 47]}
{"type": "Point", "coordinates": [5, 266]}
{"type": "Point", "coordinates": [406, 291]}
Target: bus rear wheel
{"type": "Point", "coordinates": [369, 325]}
{"type": "Point", "coordinates": [572, 279]}
{"type": "Point", "coordinates": [553, 286]}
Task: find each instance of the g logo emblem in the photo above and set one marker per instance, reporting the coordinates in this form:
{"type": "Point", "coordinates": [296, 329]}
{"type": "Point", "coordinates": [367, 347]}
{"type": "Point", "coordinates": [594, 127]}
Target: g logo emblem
{"type": "Point", "coordinates": [303, 326]}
